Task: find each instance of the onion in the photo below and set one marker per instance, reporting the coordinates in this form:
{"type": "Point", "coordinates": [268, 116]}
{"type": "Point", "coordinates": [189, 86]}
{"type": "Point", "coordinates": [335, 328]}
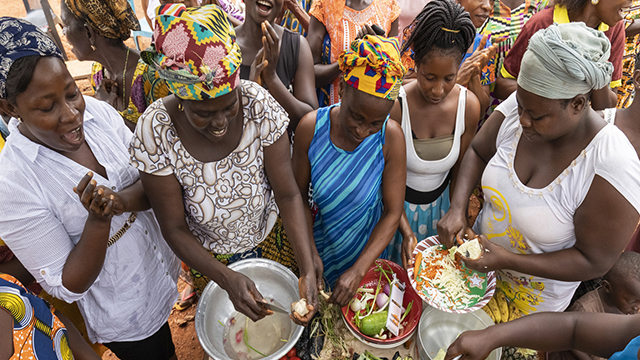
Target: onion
{"type": "Point", "coordinates": [386, 289]}
{"type": "Point", "coordinates": [356, 305]}
{"type": "Point", "coordinates": [300, 307]}
{"type": "Point", "coordinates": [382, 300]}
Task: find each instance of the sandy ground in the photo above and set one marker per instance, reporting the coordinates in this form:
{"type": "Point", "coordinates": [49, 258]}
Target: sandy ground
{"type": "Point", "coordinates": [184, 337]}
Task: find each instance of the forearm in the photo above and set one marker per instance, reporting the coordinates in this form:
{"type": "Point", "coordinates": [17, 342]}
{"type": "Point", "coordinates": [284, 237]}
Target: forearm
{"type": "Point", "coordinates": [481, 92]}
{"type": "Point", "coordinates": [546, 265]}
{"type": "Point", "coordinates": [85, 261]}
{"type": "Point", "coordinates": [79, 347]}
{"type": "Point", "coordinates": [302, 16]}
{"type": "Point", "coordinates": [505, 87]}
{"type": "Point", "coordinates": [603, 98]}
{"type": "Point", "coordinates": [404, 227]}
{"type": "Point", "coordinates": [325, 74]}
{"type": "Point", "coordinates": [135, 199]}
{"type": "Point", "coordinates": [464, 185]}
{"type": "Point", "coordinates": [378, 241]}
{"type": "Point", "coordinates": [294, 107]}
{"type": "Point", "coordinates": [294, 220]}
{"type": "Point", "coordinates": [15, 268]}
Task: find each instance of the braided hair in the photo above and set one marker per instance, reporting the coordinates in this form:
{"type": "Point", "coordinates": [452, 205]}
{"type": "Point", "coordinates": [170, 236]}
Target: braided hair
{"type": "Point", "coordinates": [441, 25]}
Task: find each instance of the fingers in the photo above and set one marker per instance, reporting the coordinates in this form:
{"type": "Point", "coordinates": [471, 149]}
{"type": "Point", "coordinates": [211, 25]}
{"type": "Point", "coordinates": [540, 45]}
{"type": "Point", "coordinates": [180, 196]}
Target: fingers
{"type": "Point", "coordinates": [107, 211]}
{"type": "Point", "coordinates": [95, 202]}
{"type": "Point", "coordinates": [83, 183]}
{"type": "Point", "coordinates": [88, 194]}
{"type": "Point", "coordinates": [270, 32]}
{"type": "Point", "coordinates": [483, 42]}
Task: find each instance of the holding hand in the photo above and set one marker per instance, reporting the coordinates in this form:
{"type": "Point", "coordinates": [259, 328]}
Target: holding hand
{"type": "Point", "coordinates": [308, 291]}
{"type": "Point", "coordinates": [98, 200]}
{"type": "Point", "coordinates": [346, 287]}
{"type": "Point", "coordinates": [245, 297]}
{"type": "Point", "coordinates": [453, 224]}
{"type": "Point", "coordinates": [474, 64]}
{"type": "Point", "coordinates": [271, 47]}
{"type": "Point", "coordinates": [472, 345]}
{"type": "Point", "coordinates": [493, 257]}
{"type": "Point", "coordinates": [409, 243]}
{"type": "Point", "coordinates": [366, 29]}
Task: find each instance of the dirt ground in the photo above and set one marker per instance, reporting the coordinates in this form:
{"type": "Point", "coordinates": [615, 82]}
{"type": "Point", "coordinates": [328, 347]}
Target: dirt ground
{"type": "Point", "coordinates": [184, 337]}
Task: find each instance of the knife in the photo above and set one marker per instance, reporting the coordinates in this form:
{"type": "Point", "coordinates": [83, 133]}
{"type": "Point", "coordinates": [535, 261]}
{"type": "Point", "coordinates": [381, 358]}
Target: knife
{"type": "Point", "coordinates": [275, 307]}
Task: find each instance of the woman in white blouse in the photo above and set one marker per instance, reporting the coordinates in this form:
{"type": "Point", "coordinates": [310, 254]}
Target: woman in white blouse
{"type": "Point", "coordinates": [92, 241]}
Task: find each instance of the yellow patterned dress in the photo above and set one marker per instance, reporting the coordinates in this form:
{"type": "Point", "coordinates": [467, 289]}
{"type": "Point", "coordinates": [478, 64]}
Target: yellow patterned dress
{"type": "Point", "coordinates": [37, 332]}
{"type": "Point", "coordinates": [625, 92]}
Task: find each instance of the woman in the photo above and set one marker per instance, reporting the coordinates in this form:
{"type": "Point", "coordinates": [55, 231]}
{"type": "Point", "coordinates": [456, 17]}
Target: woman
{"type": "Point", "coordinates": [441, 35]}
{"type": "Point", "coordinates": [601, 15]}
{"type": "Point", "coordinates": [96, 30]}
{"type": "Point", "coordinates": [354, 159]}
{"type": "Point", "coordinates": [73, 211]}
{"type": "Point", "coordinates": [215, 163]}
{"type": "Point", "coordinates": [552, 195]}
{"type": "Point", "coordinates": [278, 59]}
{"type": "Point", "coordinates": [341, 21]}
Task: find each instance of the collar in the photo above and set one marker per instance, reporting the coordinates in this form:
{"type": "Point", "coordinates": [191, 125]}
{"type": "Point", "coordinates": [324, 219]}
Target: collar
{"type": "Point", "coordinates": [29, 148]}
{"type": "Point", "coordinates": [561, 16]}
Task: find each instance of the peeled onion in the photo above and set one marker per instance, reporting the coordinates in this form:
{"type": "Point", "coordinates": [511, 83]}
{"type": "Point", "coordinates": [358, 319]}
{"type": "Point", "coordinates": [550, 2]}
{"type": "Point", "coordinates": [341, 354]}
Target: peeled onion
{"type": "Point", "coordinates": [300, 307]}
{"type": "Point", "coordinates": [382, 300]}
{"type": "Point", "coordinates": [356, 305]}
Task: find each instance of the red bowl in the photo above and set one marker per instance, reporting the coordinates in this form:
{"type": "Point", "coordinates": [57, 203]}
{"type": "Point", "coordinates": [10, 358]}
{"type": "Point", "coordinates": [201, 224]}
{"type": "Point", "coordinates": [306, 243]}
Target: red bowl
{"type": "Point", "coordinates": [410, 323]}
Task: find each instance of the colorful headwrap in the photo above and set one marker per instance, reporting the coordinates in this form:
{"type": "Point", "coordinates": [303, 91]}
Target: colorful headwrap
{"type": "Point", "coordinates": [113, 19]}
{"type": "Point", "coordinates": [20, 38]}
{"type": "Point", "coordinates": [195, 51]}
{"type": "Point", "coordinates": [373, 65]}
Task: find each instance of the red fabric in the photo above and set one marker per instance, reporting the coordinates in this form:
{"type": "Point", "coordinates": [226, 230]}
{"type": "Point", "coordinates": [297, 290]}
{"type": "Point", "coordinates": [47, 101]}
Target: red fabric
{"type": "Point", "coordinates": [543, 20]}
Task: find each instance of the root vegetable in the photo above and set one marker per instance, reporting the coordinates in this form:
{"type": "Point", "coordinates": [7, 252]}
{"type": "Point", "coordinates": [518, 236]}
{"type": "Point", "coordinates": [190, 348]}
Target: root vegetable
{"type": "Point", "coordinates": [382, 300]}
{"type": "Point", "coordinates": [300, 307]}
{"type": "Point", "coordinates": [386, 289]}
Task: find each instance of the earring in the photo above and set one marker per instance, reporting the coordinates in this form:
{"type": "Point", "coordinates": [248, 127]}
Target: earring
{"type": "Point", "coordinates": [93, 47]}
{"type": "Point", "coordinates": [595, 2]}
{"type": "Point", "coordinates": [180, 107]}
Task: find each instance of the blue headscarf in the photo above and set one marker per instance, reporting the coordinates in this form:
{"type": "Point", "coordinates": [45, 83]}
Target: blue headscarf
{"type": "Point", "coordinates": [20, 38]}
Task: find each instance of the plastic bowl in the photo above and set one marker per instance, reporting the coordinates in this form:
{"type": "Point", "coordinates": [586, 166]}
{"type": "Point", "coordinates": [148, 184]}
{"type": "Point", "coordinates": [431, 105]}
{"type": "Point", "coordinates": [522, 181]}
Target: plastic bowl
{"type": "Point", "coordinates": [370, 280]}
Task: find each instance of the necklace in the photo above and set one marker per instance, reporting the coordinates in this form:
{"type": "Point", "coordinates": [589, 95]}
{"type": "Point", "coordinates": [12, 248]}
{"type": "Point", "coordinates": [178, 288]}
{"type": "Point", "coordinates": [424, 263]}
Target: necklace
{"type": "Point", "coordinates": [124, 82]}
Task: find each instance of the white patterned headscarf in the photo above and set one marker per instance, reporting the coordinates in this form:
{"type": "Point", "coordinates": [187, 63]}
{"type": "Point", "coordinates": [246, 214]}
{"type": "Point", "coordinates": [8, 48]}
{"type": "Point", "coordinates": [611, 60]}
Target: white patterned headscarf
{"type": "Point", "coordinates": [566, 60]}
{"type": "Point", "coordinates": [20, 38]}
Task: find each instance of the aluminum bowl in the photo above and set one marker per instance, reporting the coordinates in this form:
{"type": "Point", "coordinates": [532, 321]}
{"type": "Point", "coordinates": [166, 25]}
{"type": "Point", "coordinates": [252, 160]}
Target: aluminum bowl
{"type": "Point", "coordinates": [438, 329]}
{"type": "Point", "coordinates": [273, 280]}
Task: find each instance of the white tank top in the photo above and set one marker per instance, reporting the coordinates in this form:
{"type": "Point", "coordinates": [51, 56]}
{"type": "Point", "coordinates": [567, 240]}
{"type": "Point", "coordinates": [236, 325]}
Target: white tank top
{"type": "Point", "coordinates": [533, 221]}
{"type": "Point", "coordinates": [422, 175]}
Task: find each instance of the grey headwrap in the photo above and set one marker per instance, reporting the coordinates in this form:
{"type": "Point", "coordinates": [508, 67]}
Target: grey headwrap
{"type": "Point", "coordinates": [566, 60]}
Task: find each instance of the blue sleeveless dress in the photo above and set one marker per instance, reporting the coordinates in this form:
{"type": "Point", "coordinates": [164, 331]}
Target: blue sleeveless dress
{"type": "Point", "coordinates": [347, 189]}
{"type": "Point", "coordinates": [630, 352]}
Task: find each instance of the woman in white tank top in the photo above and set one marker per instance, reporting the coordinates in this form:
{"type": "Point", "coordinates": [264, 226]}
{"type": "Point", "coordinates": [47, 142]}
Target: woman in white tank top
{"type": "Point", "coordinates": [561, 186]}
{"type": "Point", "coordinates": [438, 117]}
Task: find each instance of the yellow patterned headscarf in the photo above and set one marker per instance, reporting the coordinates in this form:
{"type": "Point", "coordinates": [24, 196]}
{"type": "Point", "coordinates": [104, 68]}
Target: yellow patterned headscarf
{"type": "Point", "coordinates": [373, 65]}
{"type": "Point", "coordinates": [195, 51]}
{"type": "Point", "coordinates": [113, 19]}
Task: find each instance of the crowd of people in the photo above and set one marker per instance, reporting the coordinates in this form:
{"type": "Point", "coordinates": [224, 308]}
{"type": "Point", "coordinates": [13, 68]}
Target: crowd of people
{"type": "Point", "coordinates": [321, 135]}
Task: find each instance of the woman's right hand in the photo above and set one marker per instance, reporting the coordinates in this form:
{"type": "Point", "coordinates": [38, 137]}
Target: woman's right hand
{"type": "Point", "coordinates": [245, 297]}
{"type": "Point", "coordinates": [99, 204]}
{"type": "Point", "coordinates": [409, 243]}
{"type": "Point", "coordinates": [453, 223]}
{"type": "Point", "coordinates": [472, 345]}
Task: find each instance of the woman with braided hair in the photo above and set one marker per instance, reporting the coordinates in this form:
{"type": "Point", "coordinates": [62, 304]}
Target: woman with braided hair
{"type": "Point", "coordinates": [354, 158]}
{"type": "Point", "coordinates": [441, 35]}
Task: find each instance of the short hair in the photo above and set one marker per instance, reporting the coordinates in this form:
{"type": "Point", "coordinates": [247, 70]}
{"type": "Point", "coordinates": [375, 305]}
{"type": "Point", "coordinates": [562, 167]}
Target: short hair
{"type": "Point", "coordinates": [573, 5]}
{"type": "Point", "coordinates": [627, 267]}
{"type": "Point", "coordinates": [20, 75]}
{"type": "Point", "coordinates": [443, 25]}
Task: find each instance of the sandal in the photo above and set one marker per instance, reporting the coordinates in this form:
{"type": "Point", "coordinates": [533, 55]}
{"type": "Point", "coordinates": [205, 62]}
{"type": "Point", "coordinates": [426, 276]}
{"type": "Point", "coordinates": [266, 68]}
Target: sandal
{"type": "Point", "coordinates": [187, 298]}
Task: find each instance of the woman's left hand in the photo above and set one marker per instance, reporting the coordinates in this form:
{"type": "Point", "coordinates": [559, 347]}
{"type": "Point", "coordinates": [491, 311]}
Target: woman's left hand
{"type": "Point", "coordinates": [494, 257]}
{"type": "Point", "coordinates": [346, 287]}
{"type": "Point", "coordinates": [271, 47]}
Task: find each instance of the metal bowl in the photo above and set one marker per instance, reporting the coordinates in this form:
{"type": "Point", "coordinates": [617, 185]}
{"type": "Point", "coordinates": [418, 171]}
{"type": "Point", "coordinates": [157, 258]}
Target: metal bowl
{"type": "Point", "coordinates": [438, 329]}
{"type": "Point", "coordinates": [273, 280]}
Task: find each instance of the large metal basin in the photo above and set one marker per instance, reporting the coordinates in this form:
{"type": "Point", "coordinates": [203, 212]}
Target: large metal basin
{"type": "Point", "coordinates": [438, 329]}
{"type": "Point", "coordinates": [273, 280]}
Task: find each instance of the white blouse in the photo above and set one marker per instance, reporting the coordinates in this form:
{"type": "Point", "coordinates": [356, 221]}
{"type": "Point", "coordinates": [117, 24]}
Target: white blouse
{"type": "Point", "coordinates": [534, 221]}
{"type": "Point", "coordinates": [42, 219]}
{"type": "Point", "coordinates": [229, 204]}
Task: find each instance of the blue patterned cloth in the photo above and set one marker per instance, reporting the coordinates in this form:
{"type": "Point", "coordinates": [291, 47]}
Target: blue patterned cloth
{"type": "Point", "coordinates": [291, 22]}
{"type": "Point", "coordinates": [630, 352]}
{"type": "Point", "coordinates": [347, 186]}
{"type": "Point", "coordinates": [20, 38]}
{"type": "Point", "coordinates": [488, 75]}
{"type": "Point", "coordinates": [423, 220]}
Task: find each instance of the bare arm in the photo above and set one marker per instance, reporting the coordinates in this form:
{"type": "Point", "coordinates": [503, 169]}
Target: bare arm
{"type": "Point", "coordinates": [6, 335]}
{"type": "Point", "coordinates": [594, 333]}
{"type": "Point", "coordinates": [393, 190]}
{"type": "Point", "coordinates": [504, 87]}
{"type": "Point", "coordinates": [299, 13]}
{"type": "Point", "coordinates": [604, 98]}
{"type": "Point", "coordinates": [79, 347]}
{"type": "Point", "coordinates": [472, 114]}
{"type": "Point", "coordinates": [325, 74]}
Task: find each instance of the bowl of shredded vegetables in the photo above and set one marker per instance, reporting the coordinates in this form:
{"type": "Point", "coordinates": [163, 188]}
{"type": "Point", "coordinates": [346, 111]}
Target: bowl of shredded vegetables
{"type": "Point", "coordinates": [442, 280]}
{"type": "Point", "coordinates": [366, 314]}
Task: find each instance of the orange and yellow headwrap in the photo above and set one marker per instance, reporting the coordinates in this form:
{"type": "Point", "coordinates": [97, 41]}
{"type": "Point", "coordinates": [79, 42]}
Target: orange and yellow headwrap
{"type": "Point", "coordinates": [195, 51]}
{"type": "Point", "coordinates": [373, 65]}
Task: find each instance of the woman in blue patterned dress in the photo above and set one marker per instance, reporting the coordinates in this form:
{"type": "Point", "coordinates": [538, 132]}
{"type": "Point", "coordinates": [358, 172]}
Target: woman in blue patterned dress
{"type": "Point", "coordinates": [355, 161]}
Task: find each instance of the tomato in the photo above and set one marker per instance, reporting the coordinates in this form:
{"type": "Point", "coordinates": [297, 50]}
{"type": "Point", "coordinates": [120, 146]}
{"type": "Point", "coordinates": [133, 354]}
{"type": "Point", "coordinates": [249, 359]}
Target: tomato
{"type": "Point", "coordinates": [294, 358]}
{"type": "Point", "coordinates": [292, 353]}
{"type": "Point", "coordinates": [284, 358]}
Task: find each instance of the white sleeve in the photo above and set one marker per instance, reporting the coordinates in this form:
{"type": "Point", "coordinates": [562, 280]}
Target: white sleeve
{"type": "Point", "coordinates": [37, 238]}
{"type": "Point", "coordinates": [509, 105]}
{"type": "Point", "coordinates": [105, 113]}
{"type": "Point", "coordinates": [511, 122]}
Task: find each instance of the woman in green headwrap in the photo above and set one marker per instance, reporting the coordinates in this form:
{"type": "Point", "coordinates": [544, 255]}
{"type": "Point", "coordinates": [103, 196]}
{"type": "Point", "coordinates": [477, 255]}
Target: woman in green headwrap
{"type": "Point", "coordinates": [97, 29]}
{"type": "Point", "coordinates": [214, 161]}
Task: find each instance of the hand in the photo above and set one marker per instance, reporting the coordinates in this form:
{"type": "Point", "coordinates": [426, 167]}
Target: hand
{"type": "Point", "coordinates": [493, 257]}
{"type": "Point", "coordinates": [119, 204]}
{"type": "Point", "coordinates": [346, 287]}
{"type": "Point", "coordinates": [318, 268]}
{"type": "Point", "coordinates": [271, 46]}
{"type": "Point", "coordinates": [408, 244]}
{"type": "Point", "coordinates": [366, 29]}
{"type": "Point", "coordinates": [308, 290]}
{"type": "Point", "coordinates": [258, 64]}
{"type": "Point", "coordinates": [107, 91]}
{"type": "Point", "coordinates": [453, 223]}
{"type": "Point", "coordinates": [474, 64]}
{"type": "Point", "coordinates": [472, 345]}
{"type": "Point", "coordinates": [98, 203]}
{"type": "Point", "coordinates": [245, 297]}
